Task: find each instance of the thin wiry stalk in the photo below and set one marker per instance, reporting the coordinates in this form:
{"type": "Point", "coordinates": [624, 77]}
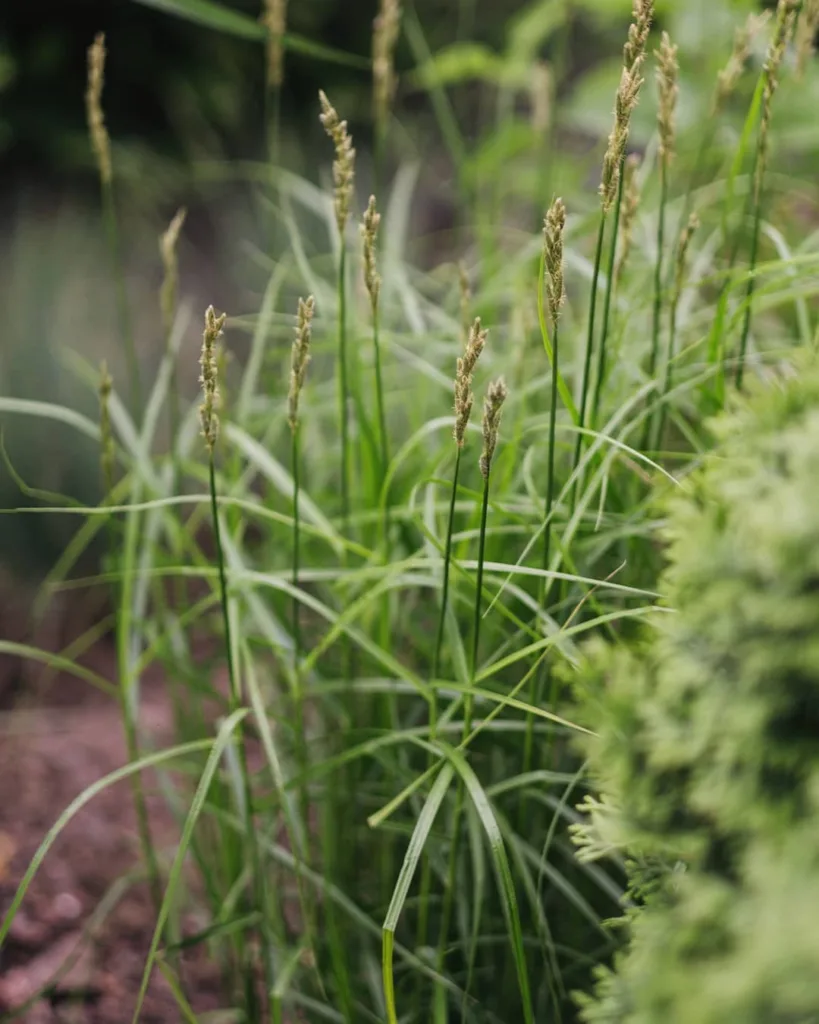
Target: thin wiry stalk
{"type": "Point", "coordinates": [610, 284]}
{"type": "Point", "coordinates": [344, 390]}
{"type": "Point", "coordinates": [658, 290]}
{"type": "Point", "coordinates": [587, 359]}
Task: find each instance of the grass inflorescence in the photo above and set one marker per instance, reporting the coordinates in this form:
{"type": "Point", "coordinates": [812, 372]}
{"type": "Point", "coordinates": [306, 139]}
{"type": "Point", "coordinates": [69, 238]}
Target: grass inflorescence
{"type": "Point", "coordinates": [363, 602]}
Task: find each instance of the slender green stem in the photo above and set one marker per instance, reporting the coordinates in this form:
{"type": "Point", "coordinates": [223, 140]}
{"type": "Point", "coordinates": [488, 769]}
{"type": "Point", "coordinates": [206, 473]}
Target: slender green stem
{"type": "Point", "coordinates": [749, 290]}
{"type": "Point", "coordinates": [658, 291]}
{"type": "Point", "coordinates": [601, 351]}
{"type": "Point", "coordinates": [426, 866]}
{"type": "Point", "coordinates": [301, 739]}
{"type": "Point", "coordinates": [379, 397]}
{"type": "Point", "coordinates": [344, 396]}
{"type": "Point", "coordinates": [235, 703]}
{"type": "Point", "coordinates": [109, 213]}
{"type": "Point", "coordinates": [446, 916]}
{"type": "Point", "coordinates": [669, 371]}
{"type": "Point", "coordinates": [658, 273]}
{"type": "Point", "coordinates": [537, 684]}
{"type": "Point", "coordinates": [587, 360]}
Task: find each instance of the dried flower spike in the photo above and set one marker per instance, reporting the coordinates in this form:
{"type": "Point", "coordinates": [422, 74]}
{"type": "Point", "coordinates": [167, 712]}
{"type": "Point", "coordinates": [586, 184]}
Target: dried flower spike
{"type": "Point", "coordinates": [208, 410]}
{"type": "Point", "coordinates": [628, 92]}
{"type": "Point", "coordinates": [682, 249]}
{"type": "Point", "coordinates": [553, 256]}
{"type": "Point", "coordinates": [300, 358]}
{"type": "Point", "coordinates": [170, 283]}
{"type": "Point", "coordinates": [806, 31]}
{"type": "Point", "coordinates": [385, 36]}
{"type": "Point", "coordinates": [668, 70]}
{"type": "Point", "coordinates": [107, 457]}
{"type": "Point", "coordinates": [732, 72]}
{"type": "Point", "coordinates": [628, 213]}
{"type": "Point", "coordinates": [463, 380]}
{"type": "Point", "coordinates": [274, 19]}
{"type": "Point", "coordinates": [492, 405]}
{"type": "Point", "coordinates": [100, 142]}
{"type": "Point", "coordinates": [369, 234]}
{"type": "Point", "coordinates": [466, 299]}
{"type": "Point", "coordinates": [786, 13]}
{"type": "Point", "coordinates": [344, 163]}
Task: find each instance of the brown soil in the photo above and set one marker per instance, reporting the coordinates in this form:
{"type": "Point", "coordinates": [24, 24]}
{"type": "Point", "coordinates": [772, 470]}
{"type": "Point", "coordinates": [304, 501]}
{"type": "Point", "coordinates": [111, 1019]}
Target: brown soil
{"type": "Point", "coordinates": [50, 750]}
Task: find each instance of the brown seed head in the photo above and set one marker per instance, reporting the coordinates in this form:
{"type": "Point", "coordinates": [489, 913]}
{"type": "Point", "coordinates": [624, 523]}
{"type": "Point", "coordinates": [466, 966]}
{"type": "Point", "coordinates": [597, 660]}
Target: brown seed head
{"type": "Point", "coordinates": [463, 380]}
{"type": "Point", "coordinates": [170, 282]}
{"type": "Point", "coordinates": [100, 143]}
{"type": "Point", "coordinates": [806, 31]}
{"type": "Point", "coordinates": [668, 70]}
{"type": "Point", "coordinates": [628, 212]}
{"type": "Point", "coordinates": [628, 92]}
{"type": "Point", "coordinates": [732, 72]}
{"type": "Point", "coordinates": [786, 14]}
{"type": "Point", "coordinates": [466, 298]}
{"type": "Point", "coordinates": [344, 163]}
{"type": "Point", "coordinates": [492, 405]}
{"type": "Point", "coordinates": [682, 250]}
{"type": "Point", "coordinates": [385, 35]}
{"type": "Point", "coordinates": [553, 256]}
{"type": "Point", "coordinates": [209, 377]}
{"type": "Point", "coordinates": [300, 357]}
{"type": "Point", "coordinates": [274, 19]}
{"type": "Point", "coordinates": [369, 234]}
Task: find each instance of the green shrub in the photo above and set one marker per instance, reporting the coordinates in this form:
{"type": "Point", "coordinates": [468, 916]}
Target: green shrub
{"type": "Point", "coordinates": [706, 750]}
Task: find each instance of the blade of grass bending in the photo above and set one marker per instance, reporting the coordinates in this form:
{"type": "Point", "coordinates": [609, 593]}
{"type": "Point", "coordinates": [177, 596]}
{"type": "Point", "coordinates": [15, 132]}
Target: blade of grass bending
{"type": "Point", "coordinates": [565, 394]}
{"type": "Point", "coordinates": [76, 805]}
{"type": "Point", "coordinates": [213, 15]}
{"type": "Point", "coordinates": [500, 861]}
{"type": "Point", "coordinates": [218, 746]}
{"type": "Point", "coordinates": [415, 849]}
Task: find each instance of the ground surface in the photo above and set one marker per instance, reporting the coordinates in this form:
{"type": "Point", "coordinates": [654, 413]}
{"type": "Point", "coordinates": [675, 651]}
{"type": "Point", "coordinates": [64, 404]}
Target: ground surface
{"type": "Point", "coordinates": [51, 748]}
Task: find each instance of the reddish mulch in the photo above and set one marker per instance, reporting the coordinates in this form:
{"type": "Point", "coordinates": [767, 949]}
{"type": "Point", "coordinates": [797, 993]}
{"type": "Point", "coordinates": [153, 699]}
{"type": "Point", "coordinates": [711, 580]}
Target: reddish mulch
{"type": "Point", "coordinates": [51, 749]}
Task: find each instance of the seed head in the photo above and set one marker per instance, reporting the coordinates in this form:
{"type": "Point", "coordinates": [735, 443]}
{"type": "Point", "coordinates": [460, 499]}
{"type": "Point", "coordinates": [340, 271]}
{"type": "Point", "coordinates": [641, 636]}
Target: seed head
{"type": "Point", "coordinates": [628, 92]}
{"type": "Point", "coordinates": [806, 30]}
{"type": "Point", "coordinates": [682, 250]}
{"type": "Point", "coordinates": [300, 358]}
{"type": "Point", "coordinates": [668, 70]}
{"type": "Point", "coordinates": [553, 256]}
{"type": "Point", "coordinates": [369, 234]}
{"type": "Point", "coordinates": [463, 380]}
{"type": "Point", "coordinates": [209, 377]}
{"type": "Point", "coordinates": [492, 405]}
{"type": "Point", "coordinates": [344, 163]}
{"type": "Point", "coordinates": [100, 143]}
{"type": "Point", "coordinates": [170, 283]}
{"type": "Point", "coordinates": [786, 14]}
{"type": "Point", "coordinates": [107, 457]}
{"type": "Point", "coordinates": [542, 98]}
{"type": "Point", "coordinates": [385, 35]}
{"type": "Point", "coordinates": [628, 212]}
{"type": "Point", "coordinates": [732, 72]}
{"type": "Point", "coordinates": [642, 13]}
{"type": "Point", "coordinates": [274, 19]}
{"type": "Point", "coordinates": [466, 298]}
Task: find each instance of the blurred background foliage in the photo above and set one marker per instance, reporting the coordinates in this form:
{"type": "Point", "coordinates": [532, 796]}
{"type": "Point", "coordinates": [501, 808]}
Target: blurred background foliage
{"type": "Point", "coordinates": [185, 106]}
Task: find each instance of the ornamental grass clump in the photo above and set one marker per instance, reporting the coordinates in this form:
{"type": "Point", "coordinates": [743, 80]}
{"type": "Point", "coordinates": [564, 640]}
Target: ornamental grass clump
{"type": "Point", "coordinates": [706, 748]}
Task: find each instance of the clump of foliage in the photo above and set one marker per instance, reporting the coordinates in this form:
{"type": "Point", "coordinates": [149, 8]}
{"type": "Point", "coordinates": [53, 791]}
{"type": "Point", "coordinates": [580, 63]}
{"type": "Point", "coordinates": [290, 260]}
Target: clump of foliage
{"type": "Point", "coordinates": [706, 750]}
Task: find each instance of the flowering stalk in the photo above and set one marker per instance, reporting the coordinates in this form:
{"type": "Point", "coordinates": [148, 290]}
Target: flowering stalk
{"type": "Point", "coordinates": [386, 27]}
{"type": "Point", "coordinates": [101, 146]}
{"type": "Point", "coordinates": [628, 92]}
{"type": "Point", "coordinates": [786, 14]}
